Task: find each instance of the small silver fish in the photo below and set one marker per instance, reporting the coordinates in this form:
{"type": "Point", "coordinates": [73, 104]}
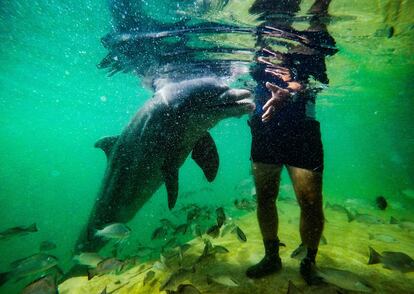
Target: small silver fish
{"type": "Point", "coordinates": [213, 231]}
{"type": "Point", "coordinates": [403, 224]}
{"type": "Point", "coordinates": [193, 214]}
{"type": "Point", "coordinates": [184, 247]}
{"type": "Point", "coordinates": [208, 249]}
{"type": "Point", "coordinates": [240, 234]}
{"type": "Point", "coordinates": [185, 289]}
{"type": "Point", "coordinates": [228, 227]}
{"type": "Point", "coordinates": [409, 193]}
{"type": "Point", "coordinates": [406, 225]}
{"type": "Point", "coordinates": [221, 216]}
{"type": "Point", "coordinates": [300, 252]}
{"type": "Point", "coordinates": [159, 233]}
{"type": "Point", "coordinates": [382, 238]}
{"type": "Point", "coordinates": [143, 250]}
{"type": "Point", "coordinates": [222, 280]}
{"type": "Point", "coordinates": [106, 266]}
{"type": "Point", "coordinates": [337, 207]}
{"type": "Point", "coordinates": [27, 266]}
{"type": "Point", "coordinates": [197, 231]}
{"type": "Point", "coordinates": [365, 218]}
{"type": "Point", "coordinates": [181, 229]}
{"type": "Point", "coordinates": [47, 246]}
{"type": "Point", "coordinates": [180, 274]}
{"type": "Point", "coordinates": [167, 223]}
{"type": "Point", "coordinates": [114, 231]}
{"type": "Point", "coordinates": [170, 243]}
{"type": "Point", "coordinates": [148, 276]}
{"type": "Point", "coordinates": [220, 249]}
{"type": "Point", "coordinates": [344, 279]}
{"type": "Point", "coordinates": [43, 285]}
{"type": "Point", "coordinates": [18, 231]}
{"type": "Point", "coordinates": [90, 259]}
{"type": "Point", "coordinates": [163, 260]}
{"type": "Point", "coordinates": [181, 250]}
{"type": "Point", "coordinates": [245, 204]}
{"type": "Point", "coordinates": [398, 261]}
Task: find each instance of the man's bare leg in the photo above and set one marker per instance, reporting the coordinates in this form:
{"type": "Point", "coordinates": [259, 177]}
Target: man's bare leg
{"type": "Point", "coordinates": [267, 178]}
{"type": "Point", "coordinates": [308, 189]}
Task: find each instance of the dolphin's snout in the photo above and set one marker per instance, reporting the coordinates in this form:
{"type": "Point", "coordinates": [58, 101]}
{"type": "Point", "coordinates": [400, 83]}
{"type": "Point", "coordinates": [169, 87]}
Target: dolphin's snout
{"type": "Point", "coordinates": [247, 103]}
{"type": "Point", "coordinates": [237, 94]}
{"type": "Point", "coordinates": [240, 99]}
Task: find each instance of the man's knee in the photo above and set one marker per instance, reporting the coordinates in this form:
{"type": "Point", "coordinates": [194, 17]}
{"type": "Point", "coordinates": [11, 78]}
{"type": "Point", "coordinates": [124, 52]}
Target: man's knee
{"type": "Point", "coordinates": [266, 178]}
{"type": "Point", "coordinates": [310, 200]}
{"type": "Point", "coordinates": [266, 199]}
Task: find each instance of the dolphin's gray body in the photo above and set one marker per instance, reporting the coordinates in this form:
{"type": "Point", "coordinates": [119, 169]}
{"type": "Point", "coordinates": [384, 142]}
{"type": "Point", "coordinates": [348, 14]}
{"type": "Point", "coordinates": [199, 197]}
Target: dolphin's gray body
{"type": "Point", "coordinates": [157, 141]}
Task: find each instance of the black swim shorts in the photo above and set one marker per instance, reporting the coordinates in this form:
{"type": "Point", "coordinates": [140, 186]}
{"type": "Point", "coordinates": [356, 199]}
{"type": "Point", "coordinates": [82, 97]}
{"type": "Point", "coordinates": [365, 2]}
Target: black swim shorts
{"type": "Point", "coordinates": [296, 143]}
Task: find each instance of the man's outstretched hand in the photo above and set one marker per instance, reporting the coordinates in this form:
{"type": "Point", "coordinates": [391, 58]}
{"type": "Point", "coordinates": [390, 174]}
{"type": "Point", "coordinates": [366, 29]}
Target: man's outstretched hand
{"type": "Point", "coordinates": [276, 102]}
{"type": "Point", "coordinates": [280, 96]}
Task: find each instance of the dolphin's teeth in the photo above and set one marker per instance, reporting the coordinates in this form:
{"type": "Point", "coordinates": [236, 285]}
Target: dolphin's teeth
{"type": "Point", "coordinates": [242, 102]}
{"type": "Point", "coordinates": [245, 101]}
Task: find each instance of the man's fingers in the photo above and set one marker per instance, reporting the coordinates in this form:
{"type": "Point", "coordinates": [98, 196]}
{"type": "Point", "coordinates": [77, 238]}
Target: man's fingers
{"type": "Point", "coordinates": [279, 69]}
{"type": "Point", "coordinates": [295, 86]}
{"type": "Point", "coordinates": [272, 87]}
{"type": "Point", "coordinates": [275, 102]}
{"type": "Point", "coordinates": [284, 77]}
{"type": "Point", "coordinates": [269, 103]}
{"type": "Point", "coordinates": [264, 60]}
{"type": "Point", "coordinates": [268, 114]}
{"type": "Point", "coordinates": [269, 52]}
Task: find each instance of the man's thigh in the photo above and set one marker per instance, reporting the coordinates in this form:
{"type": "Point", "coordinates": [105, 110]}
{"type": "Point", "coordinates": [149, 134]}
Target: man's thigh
{"type": "Point", "coordinates": [306, 183]}
{"type": "Point", "coordinates": [267, 178]}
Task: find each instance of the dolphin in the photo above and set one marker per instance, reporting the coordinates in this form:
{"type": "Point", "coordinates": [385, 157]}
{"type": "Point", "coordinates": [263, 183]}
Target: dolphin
{"type": "Point", "coordinates": [155, 144]}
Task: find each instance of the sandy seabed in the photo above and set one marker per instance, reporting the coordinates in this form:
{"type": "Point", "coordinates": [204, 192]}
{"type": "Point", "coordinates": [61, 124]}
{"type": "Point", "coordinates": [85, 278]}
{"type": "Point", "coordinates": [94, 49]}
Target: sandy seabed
{"type": "Point", "coordinates": [346, 249]}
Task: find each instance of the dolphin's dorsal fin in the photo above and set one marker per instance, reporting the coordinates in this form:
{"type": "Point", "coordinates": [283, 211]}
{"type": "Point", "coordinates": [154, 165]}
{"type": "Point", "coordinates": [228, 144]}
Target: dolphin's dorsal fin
{"type": "Point", "coordinates": [106, 144]}
{"type": "Point", "coordinates": [170, 174]}
{"type": "Point", "coordinates": [206, 156]}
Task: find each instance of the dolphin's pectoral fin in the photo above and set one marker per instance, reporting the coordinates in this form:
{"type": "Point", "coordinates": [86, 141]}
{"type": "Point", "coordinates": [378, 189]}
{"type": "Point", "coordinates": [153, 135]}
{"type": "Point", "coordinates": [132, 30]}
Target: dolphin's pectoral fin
{"type": "Point", "coordinates": [171, 183]}
{"type": "Point", "coordinates": [206, 156]}
{"type": "Point", "coordinates": [106, 144]}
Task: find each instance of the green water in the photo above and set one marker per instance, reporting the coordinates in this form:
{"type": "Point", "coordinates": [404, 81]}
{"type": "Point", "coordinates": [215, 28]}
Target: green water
{"type": "Point", "coordinates": [55, 103]}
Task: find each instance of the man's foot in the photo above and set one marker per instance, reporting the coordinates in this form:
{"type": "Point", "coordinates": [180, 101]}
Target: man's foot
{"type": "Point", "coordinates": [308, 272]}
{"type": "Point", "coordinates": [268, 265]}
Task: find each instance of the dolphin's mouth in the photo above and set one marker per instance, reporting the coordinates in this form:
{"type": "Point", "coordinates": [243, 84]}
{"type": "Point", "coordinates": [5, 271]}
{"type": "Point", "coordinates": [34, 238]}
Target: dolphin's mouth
{"type": "Point", "coordinates": [246, 104]}
{"type": "Point", "coordinates": [234, 102]}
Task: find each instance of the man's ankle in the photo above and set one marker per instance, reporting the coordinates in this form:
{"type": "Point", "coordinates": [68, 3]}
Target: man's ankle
{"type": "Point", "coordinates": [308, 271]}
{"type": "Point", "coordinates": [268, 265]}
{"type": "Point", "coordinates": [271, 247]}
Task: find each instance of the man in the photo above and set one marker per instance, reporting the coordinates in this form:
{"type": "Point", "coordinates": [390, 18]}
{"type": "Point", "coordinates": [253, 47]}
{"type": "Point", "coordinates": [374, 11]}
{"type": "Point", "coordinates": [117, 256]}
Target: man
{"type": "Point", "coordinates": [284, 129]}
